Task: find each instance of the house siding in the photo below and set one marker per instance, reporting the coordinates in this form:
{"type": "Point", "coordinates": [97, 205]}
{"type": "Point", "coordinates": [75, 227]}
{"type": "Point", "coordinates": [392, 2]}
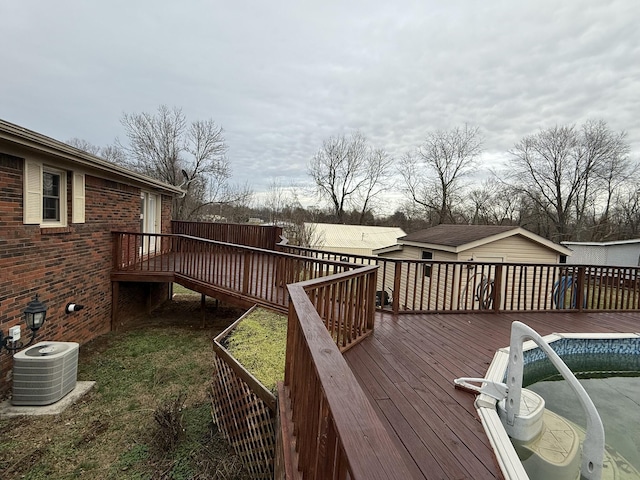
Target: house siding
{"type": "Point", "coordinates": [62, 265]}
{"type": "Point", "coordinates": [435, 289]}
{"type": "Point", "coordinates": [452, 287]}
{"type": "Point", "coordinates": [514, 249]}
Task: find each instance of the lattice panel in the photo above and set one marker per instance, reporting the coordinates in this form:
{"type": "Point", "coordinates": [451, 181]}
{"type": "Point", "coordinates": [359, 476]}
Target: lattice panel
{"type": "Point", "coordinates": [244, 420]}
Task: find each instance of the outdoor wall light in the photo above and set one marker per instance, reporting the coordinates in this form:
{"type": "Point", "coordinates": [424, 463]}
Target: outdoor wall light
{"type": "Point", "coordinates": [34, 317]}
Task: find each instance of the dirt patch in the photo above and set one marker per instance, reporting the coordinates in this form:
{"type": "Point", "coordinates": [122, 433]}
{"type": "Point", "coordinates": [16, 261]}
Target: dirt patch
{"type": "Point", "coordinates": [184, 311]}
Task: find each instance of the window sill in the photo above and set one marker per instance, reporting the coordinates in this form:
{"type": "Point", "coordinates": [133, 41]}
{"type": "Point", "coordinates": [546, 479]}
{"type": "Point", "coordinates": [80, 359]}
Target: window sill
{"type": "Point", "coordinates": [55, 230]}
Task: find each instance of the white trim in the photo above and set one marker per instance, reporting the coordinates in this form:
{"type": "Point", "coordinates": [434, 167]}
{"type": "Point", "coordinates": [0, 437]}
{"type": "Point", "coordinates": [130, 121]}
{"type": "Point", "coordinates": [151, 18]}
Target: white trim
{"type": "Point", "coordinates": [492, 238]}
{"type": "Point", "coordinates": [603, 244]}
{"type": "Point", "coordinates": [389, 249]}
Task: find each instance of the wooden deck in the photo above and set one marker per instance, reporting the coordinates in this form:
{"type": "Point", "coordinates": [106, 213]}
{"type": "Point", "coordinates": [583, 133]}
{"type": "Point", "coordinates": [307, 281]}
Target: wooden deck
{"type": "Point", "coordinates": [407, 368]}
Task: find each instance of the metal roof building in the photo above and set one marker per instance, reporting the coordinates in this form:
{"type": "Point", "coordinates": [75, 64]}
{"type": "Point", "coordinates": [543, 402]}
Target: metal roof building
{"type": "Point", "coordinates": [352, 239]}
{"type": "Point", "coordinates": [623, 253]}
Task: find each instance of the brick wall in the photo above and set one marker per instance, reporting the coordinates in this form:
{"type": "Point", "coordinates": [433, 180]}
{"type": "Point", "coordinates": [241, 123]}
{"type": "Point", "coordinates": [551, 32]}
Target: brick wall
{"type": "Point", "coordinates": [62, 265]}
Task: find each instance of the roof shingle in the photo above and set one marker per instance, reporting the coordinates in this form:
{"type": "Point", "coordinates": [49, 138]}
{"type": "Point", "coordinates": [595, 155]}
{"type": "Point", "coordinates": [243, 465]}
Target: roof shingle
{"type": "Point", "coordinates": [455, 235]}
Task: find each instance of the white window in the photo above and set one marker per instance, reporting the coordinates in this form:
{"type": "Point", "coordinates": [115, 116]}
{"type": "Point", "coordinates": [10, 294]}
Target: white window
{"type": "Point", "coordinates": [45, 195]}
{"type": "Point", "coordinates": [52, 196]}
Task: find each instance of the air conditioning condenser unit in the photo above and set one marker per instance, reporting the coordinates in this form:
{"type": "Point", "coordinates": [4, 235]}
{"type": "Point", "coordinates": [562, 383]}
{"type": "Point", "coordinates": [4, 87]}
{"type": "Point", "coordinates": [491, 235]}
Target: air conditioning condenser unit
{"type": "Point", "coordinates": [44, 373]}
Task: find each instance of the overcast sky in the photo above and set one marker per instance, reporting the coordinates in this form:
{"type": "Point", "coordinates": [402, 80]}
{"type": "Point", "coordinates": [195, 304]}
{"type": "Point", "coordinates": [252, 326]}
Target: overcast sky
{"type": "Point", "coordinates": [282, 76]}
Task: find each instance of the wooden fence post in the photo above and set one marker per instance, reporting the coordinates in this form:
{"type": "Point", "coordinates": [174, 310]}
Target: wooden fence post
{"type": "Point", "coordinates": [497, 288]}
{"type": "Point", "coordinates": [371, 297]}
{"type": "Point", "coordinates": [580, 289]}
{"type": "Point", "coordinates": [397, 273]}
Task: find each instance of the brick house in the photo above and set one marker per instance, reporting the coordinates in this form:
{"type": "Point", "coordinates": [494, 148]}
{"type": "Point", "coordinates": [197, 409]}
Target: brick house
{"type": "Point", "coordinates": [58, 207]}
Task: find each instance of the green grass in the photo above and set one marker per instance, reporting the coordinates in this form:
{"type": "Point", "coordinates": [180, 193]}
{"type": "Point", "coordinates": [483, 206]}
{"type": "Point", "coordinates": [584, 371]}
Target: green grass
{"type": "Point", "coordinates": [180, 290]}
{"type": "Point", "coordinates": [259, 343]}
{"type": "Point", "coordinates": [111, 433]}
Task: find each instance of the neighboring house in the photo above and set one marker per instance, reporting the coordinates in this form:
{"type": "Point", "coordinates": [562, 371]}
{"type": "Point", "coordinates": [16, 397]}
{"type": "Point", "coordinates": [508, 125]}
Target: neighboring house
{"type": "Point", "coordinates": [468, 243]}
{"type": "Point", "coordinates": [623, 253]}
{"type": "Point", "coordinates": [351, 239]}
{"type": "Point", "coordinates": [58, 208]}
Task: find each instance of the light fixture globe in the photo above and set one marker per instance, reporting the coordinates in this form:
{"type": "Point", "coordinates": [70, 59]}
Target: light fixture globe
{"type": "Point", "coordinates": [35, 314]}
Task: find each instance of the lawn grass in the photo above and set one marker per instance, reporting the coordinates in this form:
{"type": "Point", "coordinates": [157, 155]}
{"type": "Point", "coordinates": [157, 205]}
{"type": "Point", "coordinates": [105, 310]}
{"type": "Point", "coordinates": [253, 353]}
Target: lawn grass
{"type": "Point", "coordinates": [180, 290]}
{"type": "Point", "coordinates": [112, 432]}
{"type": "Point", "coordinates": [259, 343]}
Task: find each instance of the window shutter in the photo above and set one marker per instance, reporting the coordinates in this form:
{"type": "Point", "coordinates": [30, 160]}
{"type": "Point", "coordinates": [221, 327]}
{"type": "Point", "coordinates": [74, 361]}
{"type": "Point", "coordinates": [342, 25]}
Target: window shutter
{"type": "Point", "coordinates": [78, 198]}
{"type": "Point", "coordinates": [32, 208]}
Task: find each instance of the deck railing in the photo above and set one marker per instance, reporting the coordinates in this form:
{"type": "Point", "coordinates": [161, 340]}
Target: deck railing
{"type": "Point", "coordinates": [253, 273]}
{"type": "Point", "coordinates": [337, 433]}
{"type": "Point", "coordinates": [249, 235]}
{"type": "Point", "coordinates": [332, 299]}
{"type": "Point", "coordinates": [420, 286]}
{"type": "Point", "coordinates": [405, 286]}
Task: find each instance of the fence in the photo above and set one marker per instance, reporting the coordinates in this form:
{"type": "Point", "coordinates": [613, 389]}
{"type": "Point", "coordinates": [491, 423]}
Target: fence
{"type": "Point", "coordinates": [244, 410]}
{"type": "Point", "coordinates": [421, 286]}
{"type": "Point", "coordinates": [240, 234]}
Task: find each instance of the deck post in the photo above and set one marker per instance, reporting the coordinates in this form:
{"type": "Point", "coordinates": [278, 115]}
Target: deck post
{"type": "Point", "coordinates": [371, 298]}
{"type": "Point", "coordinates": [580, 289]}
{"type": "Point", "coordinates": [246, 271]}
{"type": "Point", "coordinates": [497, 288]}
{"type": "Point", "coordinates": [397, 273]}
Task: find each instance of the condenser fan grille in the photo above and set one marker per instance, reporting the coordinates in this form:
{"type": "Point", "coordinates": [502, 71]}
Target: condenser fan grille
{"type": "Point", "coordinates": [44, 373]}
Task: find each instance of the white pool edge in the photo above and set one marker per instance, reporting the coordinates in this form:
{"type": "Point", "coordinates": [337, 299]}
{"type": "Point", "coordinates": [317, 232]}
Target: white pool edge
{"type": "Point", "coordinates": [507, 458]}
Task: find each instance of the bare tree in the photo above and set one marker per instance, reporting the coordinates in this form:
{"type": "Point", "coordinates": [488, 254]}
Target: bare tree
{"type": "Point", "coordinates": [277, 198]}
{"type": "Point", "coordinates": [613, 171]}
{"type": "Point", "coordinates": [85, 146]}
{"type": "Point", "coordinates": [627, 212]}
{"type": "Point", "coordinates": [565, 172]}
{"type": "Point", "coordinates": [491, 203]}
{"type": "Point", "coordinates": [193, 155]}
{"type": "Point", "coordinates": [347, 172]}
{"type": "Point", "coordinates": [433, 174]}
{"type": "Point", "coordinates": [111, 153]}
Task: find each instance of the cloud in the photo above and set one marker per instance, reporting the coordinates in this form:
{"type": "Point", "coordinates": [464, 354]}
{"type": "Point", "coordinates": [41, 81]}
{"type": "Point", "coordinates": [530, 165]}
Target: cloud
{"type": "Point", "coordinates": [281, 77]}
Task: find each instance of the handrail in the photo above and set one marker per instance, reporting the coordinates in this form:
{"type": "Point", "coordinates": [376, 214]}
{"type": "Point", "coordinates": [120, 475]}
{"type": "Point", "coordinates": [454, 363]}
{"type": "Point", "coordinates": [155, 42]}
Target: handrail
{"type": "Point", "coordinates": [593, 445]}
{"type": "Point", "coordinates": [414, 286]}
{"type": "Point", "coordinates": [251, 272]}
{"type": "Point", "coordinates": [439, 286]}
{"type": "Point", "coordinates": [339, 434]}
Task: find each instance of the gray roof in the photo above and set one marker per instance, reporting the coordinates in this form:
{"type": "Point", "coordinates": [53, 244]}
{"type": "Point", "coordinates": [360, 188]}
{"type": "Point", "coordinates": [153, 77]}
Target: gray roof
{"type": "Point", "coordinates": [455, 235]}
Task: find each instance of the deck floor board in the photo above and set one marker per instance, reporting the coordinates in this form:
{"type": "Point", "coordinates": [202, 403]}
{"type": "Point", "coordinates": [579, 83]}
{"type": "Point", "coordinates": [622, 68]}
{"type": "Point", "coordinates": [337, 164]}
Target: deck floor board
{"type": "Point", "coordinates": [408, 365]}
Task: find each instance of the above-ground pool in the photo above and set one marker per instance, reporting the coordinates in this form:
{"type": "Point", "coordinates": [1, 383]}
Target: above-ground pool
{"type": "Point", "coordinates": [608, 367]}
